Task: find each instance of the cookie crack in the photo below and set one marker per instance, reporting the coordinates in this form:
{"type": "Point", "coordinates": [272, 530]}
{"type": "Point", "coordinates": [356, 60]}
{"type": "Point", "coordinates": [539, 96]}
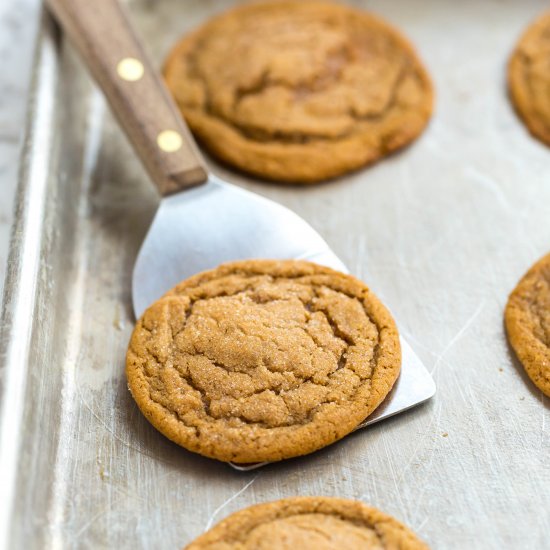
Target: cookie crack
{"type": "Point", "coordinates": [334, 64]}
{"type": "Point", "coordinates": [310, 307]}
{"type": "Point", "coordinates": [242, 535]}
{"type": "Point", "coordinates": [296, 137]}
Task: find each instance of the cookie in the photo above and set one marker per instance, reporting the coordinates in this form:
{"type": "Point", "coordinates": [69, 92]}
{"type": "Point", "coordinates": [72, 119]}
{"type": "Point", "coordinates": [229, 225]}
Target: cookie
{"type": "Point", "coordinates": [527, 319]}
{"type": "Point", "coordinates": [299, 91]}
{"type": "Point", "coordinates": [262, 360]}
{"type": "Point", "coordinates": [309, 523]}
{"type": "Point", "coordinates": [529, 78]}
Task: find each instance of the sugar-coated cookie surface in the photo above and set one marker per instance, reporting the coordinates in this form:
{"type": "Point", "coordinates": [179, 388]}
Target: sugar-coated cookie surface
{"type": "Point", "coordinates": [262, 360]}
{"type": "Point", "coordinates": [309, 523]}
{"type": "Point", "coordinates": [299, 91]}
{"type": "Point", "coordinates": [529, 78]}
{"type": "Point", "coordinates": [527, 320]}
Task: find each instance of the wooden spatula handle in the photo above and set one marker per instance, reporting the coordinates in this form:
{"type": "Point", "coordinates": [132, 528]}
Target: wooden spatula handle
{"type": "Point", "coordinates": [106, 41]}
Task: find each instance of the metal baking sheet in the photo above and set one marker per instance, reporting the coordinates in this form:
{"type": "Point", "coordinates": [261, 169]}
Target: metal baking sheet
{"type": "Point", "coordinates": [441, 231]}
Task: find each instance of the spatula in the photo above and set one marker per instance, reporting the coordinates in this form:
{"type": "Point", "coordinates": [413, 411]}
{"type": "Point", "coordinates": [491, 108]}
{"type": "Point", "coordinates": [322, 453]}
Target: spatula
{"type": "Point", "coordinates": [201, 221]}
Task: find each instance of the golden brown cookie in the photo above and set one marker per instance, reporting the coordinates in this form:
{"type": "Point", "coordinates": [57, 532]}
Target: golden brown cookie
{"type": "Point", "coordinates": [299, 91]}
{"type": "Point", "coordinates": [529, 78]}
{"type": "Point", "coordinates": [527, 320]}
{"type": "Point", "coordinates": [262, 360]}
{"type": "Point", "coordinates": [309, 523]}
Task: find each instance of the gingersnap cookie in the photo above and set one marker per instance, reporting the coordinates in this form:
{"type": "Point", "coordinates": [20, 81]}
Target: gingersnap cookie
{"type": "Point", "coordinates": [527, 319]}
{"type": "Point", "coordinates": [309, 523]}
{"type": "Point", "coordinates": [529, 78]}
{"type": "Point", "coordinates": [262, 360]}
{"type": "Point", "coordinates": [299, 91]}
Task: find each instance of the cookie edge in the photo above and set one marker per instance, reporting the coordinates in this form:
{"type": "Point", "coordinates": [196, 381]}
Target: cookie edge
{"type": "Point", "coordinates": [318, 163]}
{"type": "Point", "coordinates": [347, 509]}
{"type": "Point", "coordinates": [172, 429]}
{"type": "Point", "coordinates": [522, 341]}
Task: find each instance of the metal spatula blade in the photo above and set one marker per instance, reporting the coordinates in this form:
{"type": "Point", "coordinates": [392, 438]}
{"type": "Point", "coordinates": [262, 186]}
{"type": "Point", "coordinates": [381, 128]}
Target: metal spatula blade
{"type": "Point", "coordinates": [195, 228]}
{"type": "Point", "coordinates": [218, 222]}
{"type": "Point", "coordinates": [198, 229]}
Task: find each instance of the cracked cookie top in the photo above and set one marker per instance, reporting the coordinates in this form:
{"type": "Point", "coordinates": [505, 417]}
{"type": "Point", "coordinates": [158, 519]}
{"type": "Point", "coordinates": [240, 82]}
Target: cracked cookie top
{"type": "Point", "coordinates": [527, 320]}
{"type": "Point", "coordinates": [299, 91]}
{"type": "Point", "coordinates": [262, 360]}
{"type": "Point", "coordinates": [309, 523]}
{"type": "Point", "coordinates": [529, 78]}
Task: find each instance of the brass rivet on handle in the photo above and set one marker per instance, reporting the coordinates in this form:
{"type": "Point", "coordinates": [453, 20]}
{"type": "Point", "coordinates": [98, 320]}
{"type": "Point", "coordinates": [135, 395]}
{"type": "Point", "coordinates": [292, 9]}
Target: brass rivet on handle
{"type": "Point", "coordinates": [130, 69]}
{"type": "Point", "coordinates": [169, 141]}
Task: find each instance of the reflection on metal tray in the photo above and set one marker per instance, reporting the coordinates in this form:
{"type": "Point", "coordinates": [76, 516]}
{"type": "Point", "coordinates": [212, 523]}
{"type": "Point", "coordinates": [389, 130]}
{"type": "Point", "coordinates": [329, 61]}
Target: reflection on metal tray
{"type": "Point", "coordinates": [441, 232]}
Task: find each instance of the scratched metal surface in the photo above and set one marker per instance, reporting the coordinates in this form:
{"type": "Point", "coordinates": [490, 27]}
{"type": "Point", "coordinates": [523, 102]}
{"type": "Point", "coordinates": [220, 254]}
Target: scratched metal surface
{"type": "Point", "coordinates": [441, 231]}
